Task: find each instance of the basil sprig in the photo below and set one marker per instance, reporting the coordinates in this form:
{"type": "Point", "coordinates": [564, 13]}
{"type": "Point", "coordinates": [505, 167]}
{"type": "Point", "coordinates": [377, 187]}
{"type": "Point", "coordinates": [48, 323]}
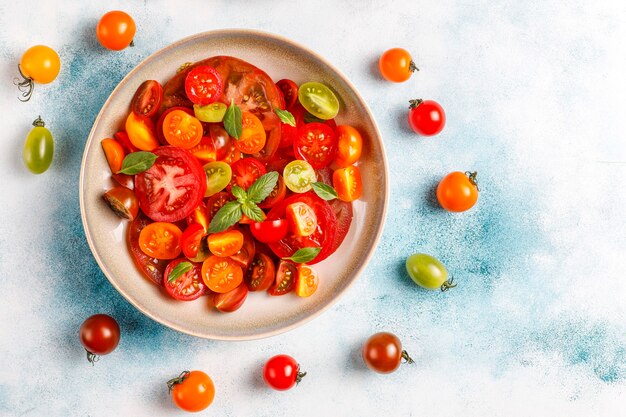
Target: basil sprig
{"type": "Point", "coordinates": [137, 162]}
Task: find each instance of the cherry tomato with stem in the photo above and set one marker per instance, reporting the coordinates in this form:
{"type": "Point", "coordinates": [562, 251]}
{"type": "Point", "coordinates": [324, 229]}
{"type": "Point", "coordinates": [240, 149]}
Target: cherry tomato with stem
{"type": "Point", "coordinates": [99, 335]}
{"type": "Point", "coordinates": [396, 65]}
{"type": "Point", "coordinates": [426, 117]}
{"type": "Point", "coordinates": [39, 64]}
{"type": "Point", "coordinates": [282, 372]}
{"type": "Point", "coordinates": [116, 30]}
{"type": "Point", "coordinates": [38, 148]}
{"type": "Point", "coordinates": [427, 272]}
{"type": "Point", "coordinates": [458, 191]}
{"type": "Point", "coordinates": [192, 391]}
{"type": "Point", "coordinates": [383, 353]}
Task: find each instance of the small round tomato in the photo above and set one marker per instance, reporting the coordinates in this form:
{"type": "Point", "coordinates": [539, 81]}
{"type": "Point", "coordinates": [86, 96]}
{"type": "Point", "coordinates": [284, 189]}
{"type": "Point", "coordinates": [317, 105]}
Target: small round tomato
{"type": "Point", "coordinates": [396, 65]}
{"type": "Point", "coordinates": [349, 146]}
{"type": "Point", "coordinates": [316, 143]}
{"type": "Point", "coordinates": [216, 202]}
{"type": "Point", "coordinates": [114, 153]}
{"type": "Point", "coordinates": [187, 286]}
{"type": "Point", "coordinates": [307, 281]}
{"type": "Point", "coordinates": [218, 176]}
{"type": "Point", "coordinates": [282, 372]}
{"type": "Point", "coordinates": [269, 230]}
{"type": "Point", "coordinates": [261, 274]}
{"type": "Point", "coordinates": [192, 391]}
{"type": "Point", "coordinates": [191, 239]}
{"type": "Point", "coordinates": [204, 151]}
{"type": "Point", "coordinates": [141, 132]}
{"type": "Point", "coordinates": [39, 64]}
{"type": "Point", "coordinates": [427, 272]}
{"type": "Point", "coordinates": [123, 202]}
{"type": "Point", "coordinates": [277, 194]}
{"type": "Point", "coordinates": [458, 191]}
{"type": "Point", "coordinates": [299, 176]}
{"type": "Point", "coordinates": [203, 85]}
{"type": "Point", "coordinates": [160, 240]}
{"type": "Point", "coordinates": [246, 171]}
{"type": "Point", "coordinates": [426, 117]}
{"type": "Point", "coordinates": [182, 130]}
{"type": "Point", "coordinates": [285, 278]}
{"type": "Point", "coordinates": [246, 254]}
{"type": "Point", "coordinates": [224, 244]}
{"type": "Point", "coordinates": [302, 219]}
{"type": "Point", "coordinates": [147, 99]}
{"type": "Point", "coordinates": [253, 137]}
{"type": "Point", "coordinates": [289, 90]}
{"type": "Point", "coordinates": [232, 300]}
{"type": "Point", "coordinates": [348, 183]}
{"type": "Point", "coordinates": [221, 274]}
{"type": "Point", "coordinates": [383, 353]}
{"type": "Point", "coordinates": [99, 335]}
{"type": "Point", "coordinates": [116, 30]}
{"type": "Point", "coordinates": [159, 125]}
{"type": "Point", "coordinates": [319, 100]}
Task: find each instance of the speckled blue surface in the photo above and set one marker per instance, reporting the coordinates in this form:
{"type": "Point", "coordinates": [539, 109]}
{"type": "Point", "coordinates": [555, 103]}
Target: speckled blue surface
{"type": "Point", "coordinates": [537, 326]}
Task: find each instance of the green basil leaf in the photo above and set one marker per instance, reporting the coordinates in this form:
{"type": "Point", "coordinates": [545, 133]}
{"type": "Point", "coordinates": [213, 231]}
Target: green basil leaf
{"type": "Point", "coordinates": [137, 162]}
{"type": "Point", "coordinates": [239, 193]}
{"type": "Point", "coordinates": [304, 255]}
{"type": "Point", "coordinates": [262, 187]}
{"type": "Point", "coordinates": [178, 270]}
{"type": "Point", "coordinates": [232, 121]}
{"type": "Point", "coordinates": [324, 191]}
{"type": "Point", "coordinates": [252, 211]}
{"type": "Point", "coordinates": [228, 215]}
{"type": "Point", "coordinates": [286, 117]}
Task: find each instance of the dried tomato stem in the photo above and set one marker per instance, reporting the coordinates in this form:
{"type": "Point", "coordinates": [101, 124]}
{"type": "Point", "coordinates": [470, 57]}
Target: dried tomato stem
{"type": "Point", "coordinates": [472, 177]}
{"type": "Point", "coordinates": [25, 86]}
{"type": "Point", "coordinates": [300, 375]}
{"type": "Point", "coordinates": [178, 380]}
{"type": "Point", "coordinates": [406, 357]}
{"type": "Point", "coordinates": [413, 67]}
{"type": "Point", "coordinates": [92, 357]}
{"type": "Point", "coordinates": [448, 284]}
{"type": "Point", "coordinates": [414, 103]}
{"type": "Point", "coordinates": [39, 122]}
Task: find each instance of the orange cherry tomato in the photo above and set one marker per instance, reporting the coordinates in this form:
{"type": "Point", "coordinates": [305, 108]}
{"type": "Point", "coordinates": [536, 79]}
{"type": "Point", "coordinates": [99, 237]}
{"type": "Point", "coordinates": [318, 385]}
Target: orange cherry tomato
{"type": "Point", "coordinates": [221, 274]}
{"type": "Point", "coordinates": [302, 219]}
{"type": "Point", "coordinates": [225, 243]}
{"type": "Point", "coordinates": [253, 136]}
{"type": "Point", "coordinates": [458, 191]}
{"type": "Point", "coordinates": [116, 30]}
{"type": "Point", "coordinates": [161, 240]}
{"type": "Point", "coordinates": [182, 129]}
{"type": "Point", "coordinates": [307, 281]}
{"type": "Point", "coordinates": [40, 63]}
{"type": "Point", "coordinates": [349, 146]}
{"type": "Point", "coordinates": [396, 65]}
{"type": "Point", "coordinates": [192, 391]}
{"type": "Point", "coordinates": [204, 151]}
{"type": "Point", "coordinates": [114, 153]}
{"type": "Point", "coordinates": [348, 183]}
{"type": "Point", "coordinates": [141, 132]}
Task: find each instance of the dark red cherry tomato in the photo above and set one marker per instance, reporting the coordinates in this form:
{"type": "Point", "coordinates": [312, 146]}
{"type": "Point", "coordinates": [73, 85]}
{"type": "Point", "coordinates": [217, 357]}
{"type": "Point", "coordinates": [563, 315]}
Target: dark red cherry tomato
{"type": "Point", "coordinates": [147, 99]}
{"type": "Point", "coordinates": [289, 90]}
{"type": "Point", "coordinates": [383, 353]}
{"type": "Point", "coordinates": [99, 335]}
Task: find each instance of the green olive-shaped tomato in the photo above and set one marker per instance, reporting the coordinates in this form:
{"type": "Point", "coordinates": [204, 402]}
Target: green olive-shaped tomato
{"type": "Point", "coordinates": [426, 271]}
{"type": "Point", "coordinates": [38, 148]}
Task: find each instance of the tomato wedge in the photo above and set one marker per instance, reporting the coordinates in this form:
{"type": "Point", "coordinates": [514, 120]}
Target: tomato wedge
{"type": "Point", "coordinates": [147, 99]}
{"type": "Point", "coordinates": [225, 243]}
{"type": "Point", "coordinates": [285, 278]}
{"type": "Point", "coordinates": [188, 286]}
{"type": "Point", "coordinates": [173, 187]}
{"type": "Point", "coordinates": [191, 239]}
{"type": "Point", "coordinates": [348, 183]}
{"type": "Point", "coordinates": [151, 267]}
{"type": "Point", "coordinates": [289, 90]}
{"type": "Point", "coordinates": [232, 300]}
{"type": "Point", "coordinates": [307, 281]}
{"type": "Point", "coordinates": [221, 274]}
{"type": "Point", "coordinates": [302, 219]}
{"type": "Point", "coordinates": [261, 274]}
{"type": "Point", "coordinates": [252, 138]}
{"type": "Point", "coordinates": [246, 171]}
{"type": "Point", "coordinates": [316, 143]}
{"type": "Point", "coordinates": [114, 153]}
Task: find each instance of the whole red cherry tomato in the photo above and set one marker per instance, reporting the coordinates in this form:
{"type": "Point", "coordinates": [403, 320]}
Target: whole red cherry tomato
{"type": "Point", "coordinates": [426, 117]}
{"type": "Point", "coordinates": [282, 372]}
{"type": "Point", "coordinates": [99, 335]}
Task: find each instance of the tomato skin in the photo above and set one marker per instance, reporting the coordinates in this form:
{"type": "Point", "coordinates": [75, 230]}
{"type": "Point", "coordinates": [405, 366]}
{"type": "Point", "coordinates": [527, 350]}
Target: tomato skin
{"type": "Point", "coordinates": [349, 146]}
{"type": "Point", "coordinates": [232, 300]}
{"type": "Point", "coordinates": [141, 132]}
{"type": "Point", "coordinates": [115, 30]}
{"type": "Point", "coordinates": [261, 273]}
{"type": "Point", "coordinates": [122, 138]}
{"type": "Point", "coordinates": [285, 281]}
{"type": "Point", "coordinates": [182, 130]}
{"type": "Point", "coordinates": [187, 287]}
{"type": "Point", "coordinates": [40, 63]}
{"type": "Point", "coordinates": [252, 139]}
{"type": "Point", "coordinates": [160, 240]}
{"type": "Point", "coordinates": [159, 125]}
{"type": "Point", "coordinates": [124, 180]}
{"type": "Point", "coordinates": [426, 117]}
{"type": "Point", "coordinates": [99, 335]}
{"type": "Point", "coordinates": [190, 240]}
{"type": "Point", "coordinates": [282, 372]}
{"type": "Point", "coordinates": [114, 153]}
{"type": "Point", "coordinates": [123, 202]}
{"type": "Point", "coordinates": [246, 254]}
{"type": "Point", "coordinates": [204, 151]}
{"type": "Point", "coordinates": [203, 85]}
{"type": "Point", "coordinates": [316, 144]}
{"type": "Point", "coordinates": [226, 243]}
{"type": "Point", "coordinates": [151, 267]}
{"type": "Point", "coordinates": [270, 230]}
{"type": "Point", "coordinates": [200, 216]}
{"type": "Point", "coordinates": [307, 281]}
{"type": "Point", "coordinates": [221, 274]}
{"type": "Point", "coordinates": [348, 183]}
{"type": "Point", "coordinates": [147, 99]}
{"type": "Point", "coordinates": [194, 393]}
{"type": "Point", "coordinates": [396, 65]}
{"type": "Point", "coordinates": [457, 191]}
{"type": "Point", "coordinates": [383, 353]}
{"type": "Point", "coordinates": [289, 90]}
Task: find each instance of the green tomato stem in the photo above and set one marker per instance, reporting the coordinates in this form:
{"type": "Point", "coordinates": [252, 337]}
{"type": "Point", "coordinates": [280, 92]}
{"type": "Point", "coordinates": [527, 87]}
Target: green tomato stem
{"type": "Point", "coordinates": [472, 177]}
{"type": "Point", "coordinates": [92, 357]}
{"type": "Point", "coordinates": [178, 380]}
{"type": "Point", "coordinates": [414, 103]}
{"type": "Point", "coordinates": [39, 122]}
{"type": "Point", "coordinates": [299, 375]}
{"type": "Point", "coordinates": [413, 67]}
{"type": "Point", "coordinates": [26, 86]}
{"type": "Point", "coordinates": [448, 284]}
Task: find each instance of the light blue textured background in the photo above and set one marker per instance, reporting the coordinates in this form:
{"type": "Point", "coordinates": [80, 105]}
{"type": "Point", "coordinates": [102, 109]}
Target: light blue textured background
{"type": "Point", "coordinates": [534, 94]}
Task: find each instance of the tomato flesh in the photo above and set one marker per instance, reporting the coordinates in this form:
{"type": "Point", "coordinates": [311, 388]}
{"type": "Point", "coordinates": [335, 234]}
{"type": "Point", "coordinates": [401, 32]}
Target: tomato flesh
{"type": "Point", "coordinates": [246, 171]}
{"type": "Point", "coordinates": [307, 281]}
{"type": "Point", "coordinates": [221, 274]}
{"type": "Point", "coordinates": [160, 240]}
{"type": "Point", "coordinates": [289, 90]}
{"type": "Point", "coordinates": [315, 144]}
{"type": "Point", "coordinates": [285, 278]}
{"type": "Point", "coordinates": [253, 137]}
{"type": "Point", "coordinates": [260, 276]}
{"type": "Point", "coordinates": [302, 219]}
{"type": "Point", "coordinates": [147, 99]}
{"type": "Point", "coordinates": [348, 183]}
{"type": "Point", "coordinates": [151, 267]}
{"type": "Point", "coordinates": [182, 130]}
{"type": "Point", "coordinates": [203, 85]}
{"type": "Point", "coordinates": [232, 300]}
{"type": "Point", "coordinates": [188, 286]}
{"type": "Point", "coordinates": [224, 244]}
{"type": "Point", "coordinates": [159, 125]}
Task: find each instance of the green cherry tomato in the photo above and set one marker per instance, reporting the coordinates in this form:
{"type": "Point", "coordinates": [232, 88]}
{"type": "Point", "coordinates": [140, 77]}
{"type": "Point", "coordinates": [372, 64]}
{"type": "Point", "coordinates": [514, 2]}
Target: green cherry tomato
{"type": "Point", "coordinates": [218, 175]}
{"type": "Point", "coordinates": [426, 271]}
{"type": "Point", "coordinates": [318, 100]}
{"type": "Point", "coordinates": [210, 113]}
{"type": "Point", "coordinates": [299, 176]}
{"type": "Point", "coordinates": [38, 148]}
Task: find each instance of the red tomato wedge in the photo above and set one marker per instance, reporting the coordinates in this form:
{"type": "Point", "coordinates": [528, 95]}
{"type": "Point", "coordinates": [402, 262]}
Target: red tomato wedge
{"type": "Point", "coordinates": [247, 251]}
{"type": "Point", "coordinates": [342, 209]}
{"type": "Point", "coordinates": [316, 143]}
{"type": "Point", "coordinates": [261, 273]}
{"type": "Point", "coordinates": [289, 90]}
{"type": "Point", "coordinates": [246, 171]}
{"type": "Point", "coordinates": [285, 281]}
{"type": "Point", "coordinates": [189, 286]}
{"type": "Point", "coordinates": [152, 268]}
{"type": "Point", "coordinates": [173, 187]}
{"type": "Point", "coordinates": [232, 300]}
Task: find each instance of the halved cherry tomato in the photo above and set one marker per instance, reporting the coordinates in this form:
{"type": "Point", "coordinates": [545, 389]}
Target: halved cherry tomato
{"type": "Point", "coordinates": [316, 143]}
{"type": "Point", "coordinates": [277, 194]}
{"type": "Point", "coordinates": [270, 230]}
{"type": "Point", "coordinates": [151, 267]}
{"type": "Point", "coordinates": [348, 183]}
{"type": "Point", "coordinates": [199, 215]}
{"type": "Point", "coordinates": [232, 300]}
{"type": "Point", "coordinates": [188, 286]}
{"type": "Point", "coordinates": [114, 153]}
{"type": "Point", "coordinates": [182, 130]}
{"type": "Point", "coordinates": [141, 132]}
{"type": "Point", "coordinates": [349, 146]}
{"type": "Point", "coordinates": [124, 180]}
{"type": "Point", "coordinates": [221, 140]}
{"type": "Point", "coordinates": [173, 187]}
{"type": "Point", "coordinates": [160, 240]}
{"type": "Point", "coordinates": [191, 239]}
{"type": "Point", "coordinates": [218, 176]}
{"type": "Point", "coordinates": [247, 251]}
{"type": "Point", "coordinates": [216, 202]}
{"type": "Point", "coordinates": [232, 154]}
{"type": "Point", "coordinates": [122, 138]}
{"type": "Point", "coordinates": [252, 138]}
{"type": "Point", "coordinates": [289, 90]}
{"type": "Point", "coordinates": [224, 244]}
{"type": "Point", "coordinates": [159, 125]}
{"type": "Point", "coordinates": [342, 210]}
{"type": "Point", "coordinates": [246, 171]}
{"type": "Point", "coordinates": [147, 99]}
{"type": "Point", "coordinates": [123, 202]}
{"type": "Point", "coordinates": [221, 274]}
{"type": "Point", "coordinates": [307, 281]}
{"type": "Point", "coordinates": [261, 274]}
{"type": "Point", "coordinates": [302, 219]}
{"type": "Point", "coordinates": [285, 278]}
{"type": "Point", "coordinates": [203, 251]}
{"type": "Point", "coordinates": [203, 85]}
{"type": "Point", "coordinates": [204, 150]}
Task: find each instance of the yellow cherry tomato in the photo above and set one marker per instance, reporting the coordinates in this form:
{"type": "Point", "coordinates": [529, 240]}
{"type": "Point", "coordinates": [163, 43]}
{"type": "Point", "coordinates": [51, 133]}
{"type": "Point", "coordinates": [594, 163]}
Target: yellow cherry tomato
{"type": "Point", "coordinates": [39, 64]}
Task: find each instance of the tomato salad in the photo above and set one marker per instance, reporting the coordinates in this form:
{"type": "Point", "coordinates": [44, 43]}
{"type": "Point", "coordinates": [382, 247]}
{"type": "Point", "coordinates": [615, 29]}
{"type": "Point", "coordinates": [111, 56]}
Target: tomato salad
{"type": "Point", "coordinates": [233, 183]}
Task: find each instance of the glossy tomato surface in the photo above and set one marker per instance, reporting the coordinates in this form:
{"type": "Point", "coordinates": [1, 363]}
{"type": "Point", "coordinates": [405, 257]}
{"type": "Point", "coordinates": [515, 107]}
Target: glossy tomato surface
{"type": "Point", "coordinates": [188, 286]}
{"type": "Point", "coordinates": [99, 334]}
{"type": "Point", "coordinates": [151, 267]}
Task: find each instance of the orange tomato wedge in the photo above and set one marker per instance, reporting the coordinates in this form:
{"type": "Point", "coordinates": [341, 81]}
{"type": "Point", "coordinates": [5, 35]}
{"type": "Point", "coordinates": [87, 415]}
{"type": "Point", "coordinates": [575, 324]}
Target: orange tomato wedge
{"type": "Point", "coordinates": [221, 274]}
{"type": "Point", "coordinates": [349, 146]}
{"type": "Point", "coordinates": [348, 183]}
{"type": "Point", "coordinates": [302, 219]}
{"type": "Point", "coordinates": [141, 132]}
{"type": "Point", "coordinates": [114, 153]}
{"type": "Point", "coordinates": [307, 281]}
{"type": "Point", "coordinates": [253, 136]}
{"type": "Point", "coordinates": [226, 243]}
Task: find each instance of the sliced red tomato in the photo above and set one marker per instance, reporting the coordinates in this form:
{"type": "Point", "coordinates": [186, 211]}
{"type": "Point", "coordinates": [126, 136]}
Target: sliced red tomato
{"type": "Point", "coordinates": [232, 300]}
{"type": "Point", "coordinates": [246, 171]}
{"type": "Point", "coordinates": [323, 236]}
{"type": "Point", "coordinates": [147, 99]}
{"type": "Point", "coordinates": [173, 187]}
{"type": "Point", "coordinates": [226, 243]}
{"type": "Point", "coordinates": [316, 143]}
{"type": "Point", "coordinates": [269, 230]}
{"type": "Point", "coordinates": [204, 151]}
{"type": "Point", "coordinates": [261, 274]}
{"type": "Point", "coordinates": [289, 90]}
{"type": "Point", "coordinates": [246, 253]}
{"type": "Point", "coordinates": [152, 268]}
{"type": "Point", "coordinates": [124, 140]}
{"type": "Point", "coordinates": [277, 194]}
{"type": "Point", "coordinates": [216, 202]}
{"type": "Point", "coordinates": [188, 286]}
{"type": "Point", "coordinates": [285, 278]}
{"type": "Point", "coordinates": [203, 85]}
{"type": "Point", "coordinates": [306, 281]}
{"type": "Point", "coordinates": [221, 274]}
{"type": "Point", "coordinates": [191, 239]}
{"type": "Point", "coordinates": [159, 126]}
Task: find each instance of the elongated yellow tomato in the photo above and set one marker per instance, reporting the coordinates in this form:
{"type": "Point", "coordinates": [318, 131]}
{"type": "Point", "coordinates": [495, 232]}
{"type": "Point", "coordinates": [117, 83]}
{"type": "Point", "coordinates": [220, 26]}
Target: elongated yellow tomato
{"type": "Point", "coordinates": [141, 132]}
{"type": "Point", "coordinates": [38, 148]}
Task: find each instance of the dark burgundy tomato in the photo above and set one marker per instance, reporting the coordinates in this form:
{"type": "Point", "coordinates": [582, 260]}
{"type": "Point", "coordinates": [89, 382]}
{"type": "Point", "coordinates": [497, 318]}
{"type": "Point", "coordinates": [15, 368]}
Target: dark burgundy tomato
{"type": "Point", "coordinates": [426, 117]}
{"type": "Point", "coordinates": [269, 230]}
{"type": "Point", "coordinates": [188, 286]}
{"type": "Point", "coordinates": [99, 335]}
{"type": "Point", "coordinates": [316, 143]}
{"type": "Point", "coordinates": [203, 85]}
{"type": "Point", "coordinates": [383, 353]}
{"type": "Point", "coordinates": [232, 300]}
{"type": "Point", "coordinates": [289, 90]}
{"type": "Point", "coordinates": [285, 278]}
{"type": "Point", "coordinates": [246, 254]}
{"type": "Point", "coordinates": [260, 276]}
{"type": "Point", "coordinates": [147, 99]}
{"type": "Point", "coordinates": [282, 372]}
